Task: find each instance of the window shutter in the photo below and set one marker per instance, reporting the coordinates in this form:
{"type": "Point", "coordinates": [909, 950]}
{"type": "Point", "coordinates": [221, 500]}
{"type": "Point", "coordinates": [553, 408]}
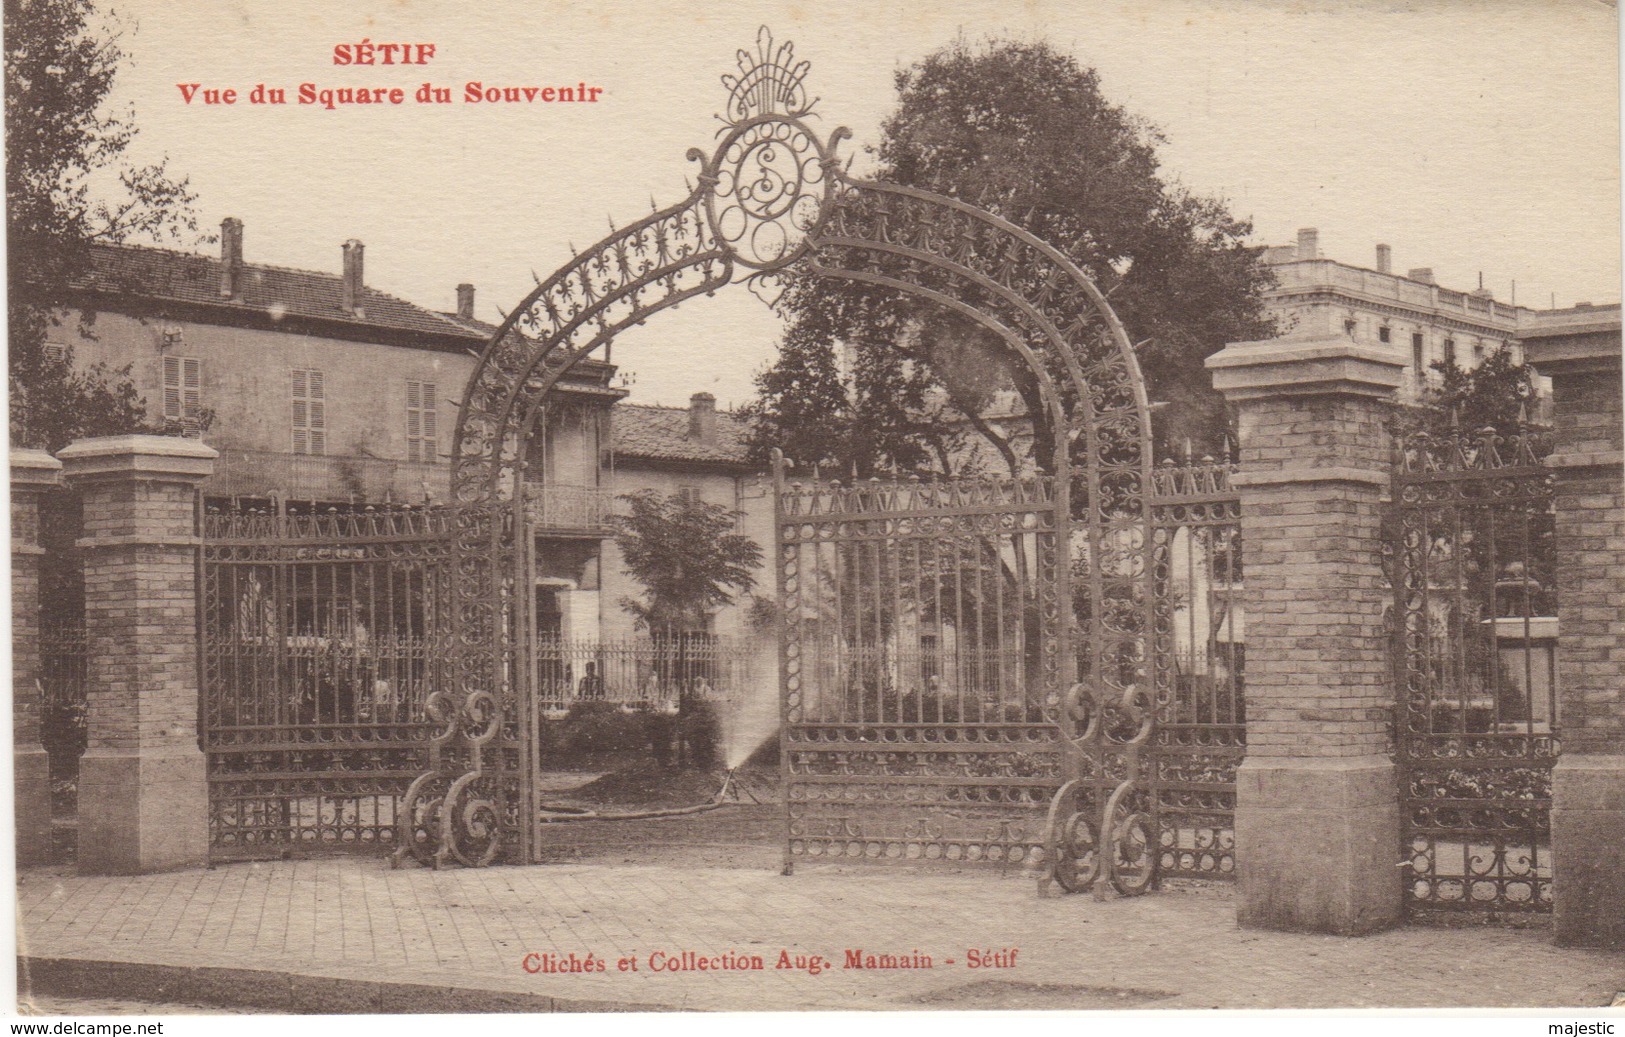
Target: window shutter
{"type": "Point", "coordinates": [422, 441]}
{"type": "Point", "coordinates": [172, 388]}
{"type": "Point", "coordinates": [309, 413]}
{"type": "Point", "coordinates": [191, 395]}
{"type": "Point", "coordinates": [431, 433]}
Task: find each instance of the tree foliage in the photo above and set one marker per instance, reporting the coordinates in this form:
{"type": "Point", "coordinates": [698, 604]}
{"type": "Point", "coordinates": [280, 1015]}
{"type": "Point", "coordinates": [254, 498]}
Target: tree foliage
{"type": "Point", "coordinates": [686, 554]}
{"type": "Point", "coordinates": [1495, 394]}
{"type": "Point", "coordinates": [1023, 131]}
{"type": "Point", "coordinates": [68, 186]}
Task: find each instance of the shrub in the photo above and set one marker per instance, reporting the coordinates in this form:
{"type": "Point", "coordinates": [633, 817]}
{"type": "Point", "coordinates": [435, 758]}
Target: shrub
{"type": "Point", "coordinates": [600, 727]}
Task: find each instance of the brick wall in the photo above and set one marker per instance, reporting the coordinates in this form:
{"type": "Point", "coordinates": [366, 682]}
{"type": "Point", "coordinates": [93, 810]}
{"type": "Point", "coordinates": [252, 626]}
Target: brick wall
{"type": "Point", "coordinates": [140, 612]}
{"type": "Point", "coordinates": [1590, 544]}
{"type": "Point", "coordinates": [1315, 597]}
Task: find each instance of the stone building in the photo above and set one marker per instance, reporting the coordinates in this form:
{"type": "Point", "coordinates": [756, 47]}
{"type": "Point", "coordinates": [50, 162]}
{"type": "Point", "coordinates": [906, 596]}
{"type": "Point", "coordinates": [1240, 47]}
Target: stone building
{"type": "Point", "coordinates": [323, 393]}
{"type": "Point", "coordinates": [1410, 316]}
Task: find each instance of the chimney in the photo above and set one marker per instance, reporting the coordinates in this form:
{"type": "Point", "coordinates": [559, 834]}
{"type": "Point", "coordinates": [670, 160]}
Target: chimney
{"type": "Point", "coordinates": [465, 301]}
{"type": "Point", "coordinates": [1308, 243]}
{"type": "Point", "coordinates": [1385, 259]}
{"type": "Point", "coordinates": [231, 258]}
{"type": "Point", "coordinates": [702, 418]}
{"type": "Point", "coordinates": [350, 300]}
{"type": "Point", "coordinates": [1421, 273]}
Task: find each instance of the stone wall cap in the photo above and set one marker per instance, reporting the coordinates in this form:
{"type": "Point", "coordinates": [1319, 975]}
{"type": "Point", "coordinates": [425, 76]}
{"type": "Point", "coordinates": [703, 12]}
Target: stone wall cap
{"type": "Point", "coordinates": [1579, 352]}
{"type": "Point", "coordinates": [34, 467]}
{"type": "Point", "coordinates": [1288, 350]}
{"type": "Point", "coordinates": [151, 446]}
{"type": "Point", "coordinates": [1587, 459]}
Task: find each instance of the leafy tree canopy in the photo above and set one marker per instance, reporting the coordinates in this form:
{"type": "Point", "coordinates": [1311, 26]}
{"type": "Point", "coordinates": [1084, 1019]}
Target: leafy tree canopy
{"type": "Point", "coordinates": [1495, 394]}
{"type": "Point", "coordinates": [686, 554]}
{"type": "Point", "coordinates": [68, 186]}
{"type": "Point", "coordinates": [1024, 131]}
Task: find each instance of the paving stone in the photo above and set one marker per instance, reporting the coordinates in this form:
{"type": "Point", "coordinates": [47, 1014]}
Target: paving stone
{"type": "Point", "coordinates": [321, 921]}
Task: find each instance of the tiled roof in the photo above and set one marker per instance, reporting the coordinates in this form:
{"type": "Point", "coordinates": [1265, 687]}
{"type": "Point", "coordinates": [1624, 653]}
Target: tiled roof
{"type": "Point", "coordinates": [661, 433]}
{"type": "Point", "coordinates": [276, 291]}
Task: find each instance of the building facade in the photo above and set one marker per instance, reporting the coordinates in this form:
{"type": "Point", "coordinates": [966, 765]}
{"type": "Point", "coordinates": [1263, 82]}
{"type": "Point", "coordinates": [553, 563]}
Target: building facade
{"type": "Point", "coordinates": [1409, 316]}
{"type": "Point", "coordinates": [323, 394]}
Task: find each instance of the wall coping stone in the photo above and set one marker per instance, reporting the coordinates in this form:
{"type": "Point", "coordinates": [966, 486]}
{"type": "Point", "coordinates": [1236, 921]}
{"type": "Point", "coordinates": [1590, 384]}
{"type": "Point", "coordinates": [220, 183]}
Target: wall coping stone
{"type": "Point", "coordinates": [1333, 365]}
{"type": "Point", "coordinates": [1575, 354]}
{"type": "Point", "coordinates": [34, 468]}
{"type": "Point", "coordinates": [1588, 459]}
{"type": "Point", "coordinates": [170, 458]}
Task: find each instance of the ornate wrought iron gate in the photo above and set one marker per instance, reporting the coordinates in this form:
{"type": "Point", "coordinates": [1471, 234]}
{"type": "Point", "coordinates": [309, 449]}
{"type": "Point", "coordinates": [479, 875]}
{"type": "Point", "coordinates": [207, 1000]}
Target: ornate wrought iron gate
{"type": "Point", "coordinates": [1039, 608]}
{"type": "Point", "coordinates": [323, 635]}
{"type": "Point", "coordinates": [919, 666]}
{"type": "Point", "coordinates": [1476, 713]}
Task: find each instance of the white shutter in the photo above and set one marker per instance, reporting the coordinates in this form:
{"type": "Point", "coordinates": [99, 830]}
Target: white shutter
{"type": "Point", "coordinates": [172, 388]}
{"type": "Point", "coordinates": [431, 438]}
{"type": "Point", "coordinates": [183, 393]}
{"type": "Point", "coordinates": [191, 395]}
{"type": "Point", "coordinates": [422, 433]}
{"type": "Point", "coordinates": [309, 413]}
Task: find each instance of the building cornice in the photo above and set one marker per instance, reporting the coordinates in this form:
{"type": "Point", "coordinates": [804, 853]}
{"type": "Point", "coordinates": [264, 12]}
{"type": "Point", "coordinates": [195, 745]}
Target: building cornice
{"type": "Point", "coordinates": [1322, 294]}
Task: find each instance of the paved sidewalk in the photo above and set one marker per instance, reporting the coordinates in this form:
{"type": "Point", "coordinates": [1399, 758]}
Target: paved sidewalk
{"type": "Point", "coordinates": [329, 923]}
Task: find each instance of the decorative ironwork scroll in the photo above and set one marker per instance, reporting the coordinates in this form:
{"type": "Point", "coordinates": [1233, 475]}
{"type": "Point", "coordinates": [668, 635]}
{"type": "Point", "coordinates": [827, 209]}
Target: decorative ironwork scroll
{"type": "Point", "coordinates": [1476, 727]}
{"type": "Point", "coordinates": [773, 194]}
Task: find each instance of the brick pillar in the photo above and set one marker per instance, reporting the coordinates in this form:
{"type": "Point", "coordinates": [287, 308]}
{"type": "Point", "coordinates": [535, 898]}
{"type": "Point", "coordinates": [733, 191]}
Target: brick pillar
{"type": "Point", "coordinates": [143, 801]}
{"type": "Point", "coordinates": [1588, 783]}
{"type": "Point", "coordinates": [33, 473]}
{"type": "Point", "coordinates": [1317, 798]}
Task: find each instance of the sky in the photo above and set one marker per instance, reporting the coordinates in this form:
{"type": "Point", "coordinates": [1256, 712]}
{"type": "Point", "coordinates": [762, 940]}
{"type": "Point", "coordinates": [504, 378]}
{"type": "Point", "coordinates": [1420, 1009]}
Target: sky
{"type": "Point", "coordinates": [1477, 138]}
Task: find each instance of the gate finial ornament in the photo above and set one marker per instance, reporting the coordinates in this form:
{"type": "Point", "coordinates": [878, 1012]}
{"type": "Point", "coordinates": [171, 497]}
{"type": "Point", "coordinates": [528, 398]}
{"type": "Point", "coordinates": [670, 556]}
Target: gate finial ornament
{"type": "Point", "coordinates": [769, 82]}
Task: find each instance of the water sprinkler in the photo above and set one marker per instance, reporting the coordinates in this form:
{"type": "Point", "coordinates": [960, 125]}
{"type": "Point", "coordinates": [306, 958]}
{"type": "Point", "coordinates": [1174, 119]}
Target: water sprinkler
{"type": "Point", "coordinates": [727, 782]}
{"type": "Point", "coordinates": [732, 786]}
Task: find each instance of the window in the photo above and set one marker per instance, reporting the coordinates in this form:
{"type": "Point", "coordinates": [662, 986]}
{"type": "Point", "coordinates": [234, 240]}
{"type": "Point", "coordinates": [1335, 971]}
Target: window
{"type": "Point", "coordinates": [309, 413]}
{"type": "Point", "coordinates": [183, 394]}
{"type": "Point", "coordinates": [422, 429]}
{"type": "Point", "coordinates": [56, 352]}
{"type": "Point", "coordinates": [1348, 326]}
{"type": "Point", "coordinates": [1382, 333]}
{"type": "Point", "coordinates": [689, 494]}
{"type": "Point", "coordinates": [1418, 357]}
{"type": "Point", "coordinates": [1449, 351]}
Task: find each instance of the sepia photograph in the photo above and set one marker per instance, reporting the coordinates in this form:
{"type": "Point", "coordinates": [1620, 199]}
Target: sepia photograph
{"type": "Point", "coordinates": [1096, 506]}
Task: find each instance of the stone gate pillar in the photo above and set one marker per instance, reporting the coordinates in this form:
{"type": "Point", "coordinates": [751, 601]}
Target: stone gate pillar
{"type": "Point", "coordinates": [33, 473]}
{"type": "Point", "coordinates": [1317, 800]}
{"type": "Point", "coordinates": [1588, 782]}
{"type": "Point", "coordinates": [143, 800]}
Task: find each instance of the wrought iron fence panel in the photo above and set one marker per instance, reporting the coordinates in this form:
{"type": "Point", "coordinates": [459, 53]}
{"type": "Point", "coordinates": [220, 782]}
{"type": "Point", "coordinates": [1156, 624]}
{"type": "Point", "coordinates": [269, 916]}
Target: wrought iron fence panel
{"type": "Point", "coordinates": [1471, 549]}
{"type": "Point", "coordinates": [1199, 647]}
{"type": "Point", "coordinates": [64, 653]}
{"type": "Point", "coordinates": [322, 639]}
{"type": "Point", "coordinates": [641, 672]}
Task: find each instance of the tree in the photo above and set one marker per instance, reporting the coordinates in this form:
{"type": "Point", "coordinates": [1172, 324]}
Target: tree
{"type": "Point", "coordinates": [691, 562]}
{"type": "Point", "coordinates": [685, 553]}
{"type": "Point", "coordinates": [1495, 394]}
{"type": "Point", "coordinates": [1023, 131]}
{"type": "Point", "coordinates": [69, 186]}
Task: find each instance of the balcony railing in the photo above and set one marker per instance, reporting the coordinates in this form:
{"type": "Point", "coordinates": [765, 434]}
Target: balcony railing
{"type": "Point", "coordinates": [552, 506]}
{"type": "Point", "coordinates": [313, 477]}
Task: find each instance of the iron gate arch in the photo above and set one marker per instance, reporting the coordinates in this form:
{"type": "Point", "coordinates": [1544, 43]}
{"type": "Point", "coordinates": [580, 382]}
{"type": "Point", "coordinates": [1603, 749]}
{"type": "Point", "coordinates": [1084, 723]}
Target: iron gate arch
{"type": "Point", "coordinates": [770, 195]}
